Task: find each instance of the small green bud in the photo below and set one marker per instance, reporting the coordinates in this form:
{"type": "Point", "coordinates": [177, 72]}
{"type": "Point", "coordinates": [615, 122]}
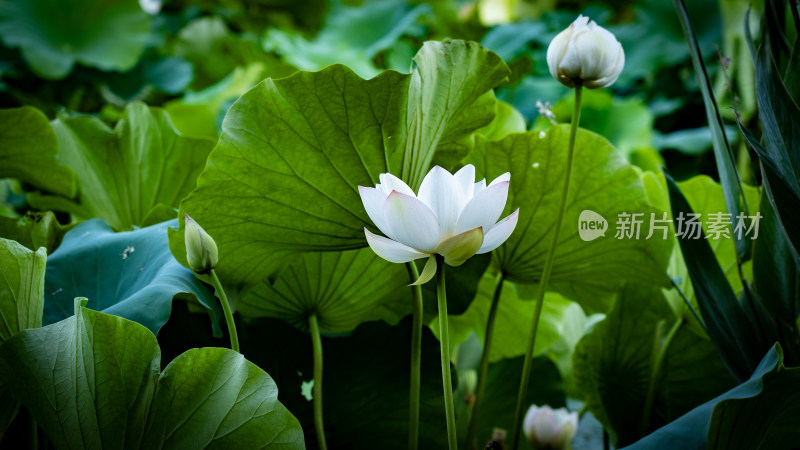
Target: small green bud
{"type": "Point", "coordinates": [201, 250]}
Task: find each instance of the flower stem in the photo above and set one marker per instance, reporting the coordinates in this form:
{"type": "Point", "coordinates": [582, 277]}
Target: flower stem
{"type": "Point", "coordinates": [548, 266]}
{"type": "Point", "coordinates": [416, 357]}
{"type": "Point", "coordinates": [484, 367]}
{"type": "Point", "coordinates": [316, 343]}
{"type": "Point", "coordinates": [226, 308]}
{"type": "Point", "coordinates": [444, 339]}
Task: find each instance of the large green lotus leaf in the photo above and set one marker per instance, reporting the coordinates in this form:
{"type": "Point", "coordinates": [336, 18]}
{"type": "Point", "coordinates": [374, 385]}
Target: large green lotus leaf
{"type": "Point", "coordinates": [614, 366]}
{"type": "Point", "coordinates": [53, 34]}
{"type": "Point", "coordinates": [29, 150]}
{"type": "Point", "coordinates": [283, 178]}
{"type": "Point", "coordinates": [21, 301]}
{"type": "Point", "coordinates": [127, 172]}
{"type": "Point", "coordinates": [200, 113]}
{"type": "Point", "coordinates": [215, 398]}
{"type": "Point", "coordinates": [21, 287]}
{"type": "Point", "coordinates": [513, 320]}
{"type": "Point", "coordinates": [352, 35]}
{"type": "Point", "coordinates": [93, 381]}
{"type": "Point", "coordinates": [602, 182]}
{"type": "Point", "coordinates": [342, 288]}
{"type": "Point", "coordinates": [365, 382]}
{"type": "Point", "coordinates": [130, 274]}
{"type": "Point", "coordinates": [34, 230]}
{"type": "Point", "coordinates": [759, 413]}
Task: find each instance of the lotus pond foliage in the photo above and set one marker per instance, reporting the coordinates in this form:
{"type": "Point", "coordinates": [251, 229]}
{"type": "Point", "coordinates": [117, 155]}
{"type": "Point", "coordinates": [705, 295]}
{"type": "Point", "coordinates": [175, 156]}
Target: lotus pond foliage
{"type": "Point", "coordinates": [396, 224]}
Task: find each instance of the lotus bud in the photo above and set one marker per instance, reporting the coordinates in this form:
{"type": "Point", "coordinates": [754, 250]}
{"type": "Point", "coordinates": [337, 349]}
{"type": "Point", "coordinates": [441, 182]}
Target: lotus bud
{"type": "Point", "coordinates": [546, 428]}
{"type": "Point", "coordinates": [585, 53]}
{"type": "Point", "coordinates": [201, 250]}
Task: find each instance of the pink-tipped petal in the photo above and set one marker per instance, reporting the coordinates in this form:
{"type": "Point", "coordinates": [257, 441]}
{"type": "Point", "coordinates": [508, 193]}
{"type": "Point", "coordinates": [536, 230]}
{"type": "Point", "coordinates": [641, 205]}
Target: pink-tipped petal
{"type": "Point", "coordinates": [484, 209]}
{"type": "Point", "coordinates": [391, 183]}
{"type": "Point", "coordinates": [501, 179]}
{"type": "Point", "coordinates": [373, 201]}
{"type": "Point", "coordinates": [499, 233]}
{"type": "Point", "coordinates": [442, 195]}
{"type": "Point", "coordinates": [390, 250]}
{"type": "Point", "coordinates": [411, 222]}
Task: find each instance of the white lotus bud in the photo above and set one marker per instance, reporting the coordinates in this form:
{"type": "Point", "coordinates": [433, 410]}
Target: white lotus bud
{"type": "Point", "coordinates": [547, 428]}
{"type": "Point", "coordinates": [587, 53]}
{"type": "Point", "coordinates": [201, 250]}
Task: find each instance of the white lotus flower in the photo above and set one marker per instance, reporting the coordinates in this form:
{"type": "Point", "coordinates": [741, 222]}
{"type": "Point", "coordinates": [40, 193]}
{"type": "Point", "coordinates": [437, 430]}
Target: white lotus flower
{"type": "Point", "coordinates": [585, 52]}
{"type": "Point", "coordinates": [546, 428]}
{"type": "Point", "coordinates": [453, 216]}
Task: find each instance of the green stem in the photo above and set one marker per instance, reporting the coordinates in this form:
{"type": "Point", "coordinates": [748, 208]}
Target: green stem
{"type": "Point", "coordinates": [484, 367]}
{"type": "Point", "coordinates": [660, 348]}
{"type": "Point", "coordinates": [226, 308]}
{"type": "Point", "coordinates": [416, 358]}
{"type": "Point", "coordinates": [548, 266]}
{"type": "Point", "coordinates": [444, 339]}
{"type": "Point", "coordinates": [316, 342]}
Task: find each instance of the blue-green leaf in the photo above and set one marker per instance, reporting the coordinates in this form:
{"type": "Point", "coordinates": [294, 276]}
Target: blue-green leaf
{"type": "Point", "coordinates": [130, 274]}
